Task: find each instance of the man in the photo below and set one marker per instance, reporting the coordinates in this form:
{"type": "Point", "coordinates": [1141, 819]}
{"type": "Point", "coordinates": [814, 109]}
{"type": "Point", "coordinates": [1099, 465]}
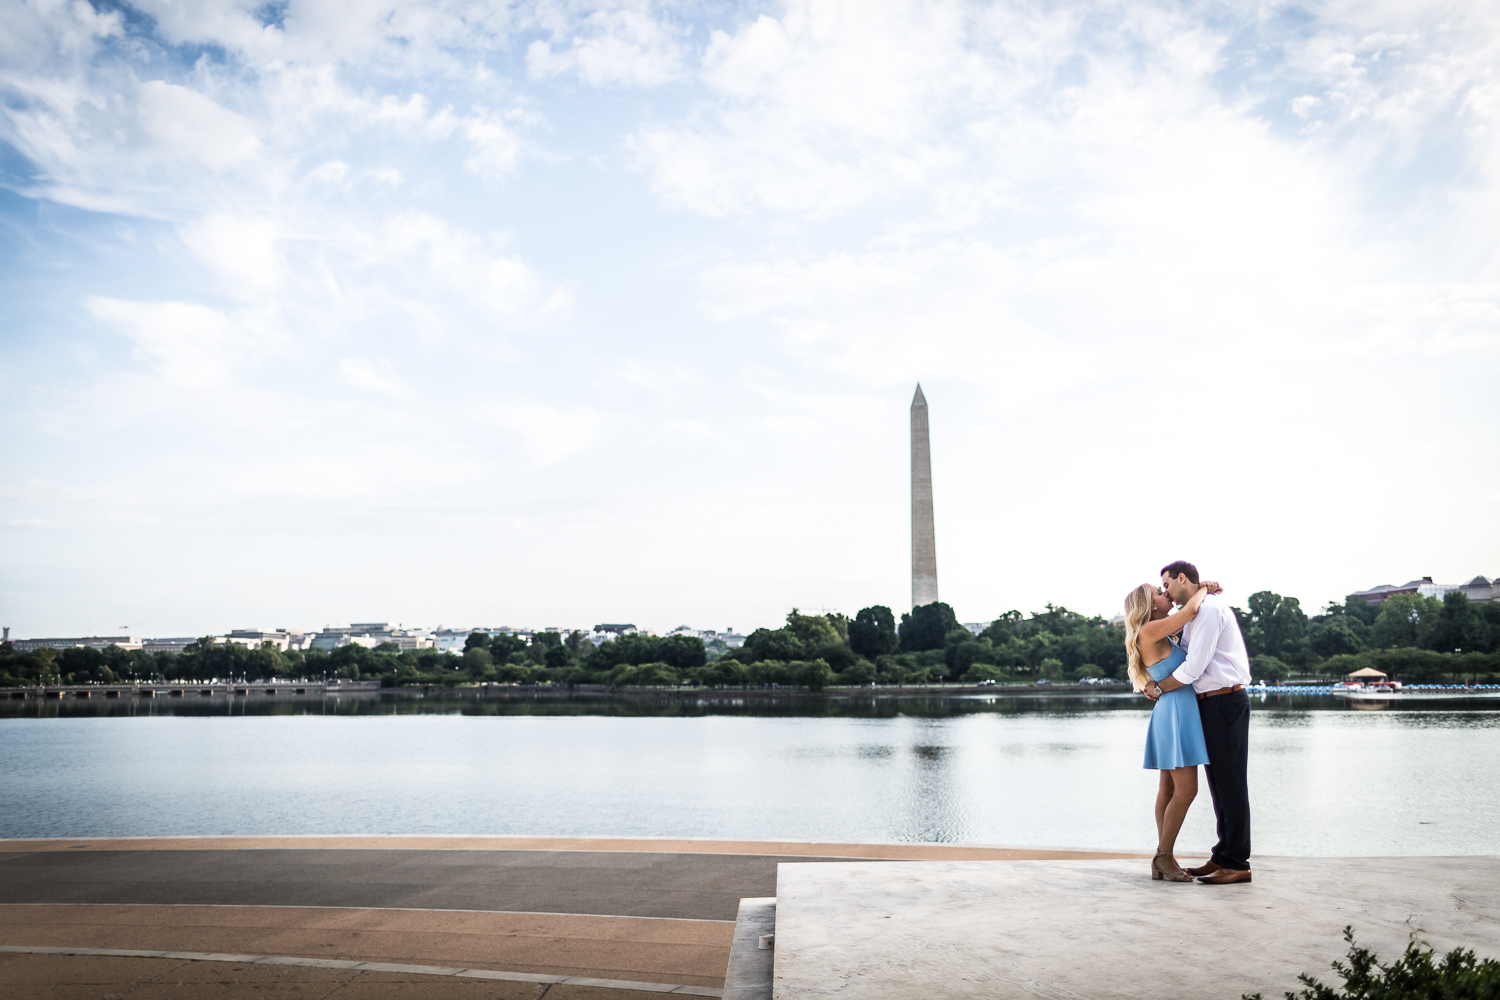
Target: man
{"type": "Point", "coordinates": [1218, 668]}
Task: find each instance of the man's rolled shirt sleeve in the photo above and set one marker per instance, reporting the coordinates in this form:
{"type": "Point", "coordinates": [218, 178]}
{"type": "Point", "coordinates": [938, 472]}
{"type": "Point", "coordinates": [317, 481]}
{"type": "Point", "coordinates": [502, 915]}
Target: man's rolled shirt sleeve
{"type": "Point", "coordinates": [1206, 628]}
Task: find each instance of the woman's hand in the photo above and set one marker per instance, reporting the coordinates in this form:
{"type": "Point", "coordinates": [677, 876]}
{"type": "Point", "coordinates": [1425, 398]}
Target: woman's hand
{"type": "Point", "coordinates": [1212, 586]}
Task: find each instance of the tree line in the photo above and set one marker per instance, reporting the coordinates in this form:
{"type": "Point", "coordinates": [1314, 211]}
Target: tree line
{"type": "Point", "coordinates": [1412, 637]}
{"type": "Point", "coordinates": [809, 651]}
{"type": "Point", "coordinates": [1409, 636]}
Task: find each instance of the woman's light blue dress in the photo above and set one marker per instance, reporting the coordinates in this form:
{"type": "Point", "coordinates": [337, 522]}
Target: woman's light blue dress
{"type": "Point", "coordinates": [1175, 738]}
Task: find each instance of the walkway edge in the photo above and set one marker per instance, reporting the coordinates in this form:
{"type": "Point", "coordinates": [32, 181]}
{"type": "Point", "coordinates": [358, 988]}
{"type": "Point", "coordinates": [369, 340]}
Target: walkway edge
{"type": "Point", "coordinates": [326, 963]}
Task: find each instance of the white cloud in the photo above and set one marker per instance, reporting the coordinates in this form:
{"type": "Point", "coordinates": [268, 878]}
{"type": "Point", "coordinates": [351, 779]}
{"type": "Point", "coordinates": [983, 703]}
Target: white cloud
{"type": "Point", "coordinates": [621, 46]}
{"type": "Point", "coordinates": [177, 123]}
{"type": "Point", "coordinates": [374, 375]}
{"type": "Point", "coordinates": [243, 250]}
{"type": "Point", "coordinates": [548, 435]}
{"type": "Point", "coordinates": [191, 345]}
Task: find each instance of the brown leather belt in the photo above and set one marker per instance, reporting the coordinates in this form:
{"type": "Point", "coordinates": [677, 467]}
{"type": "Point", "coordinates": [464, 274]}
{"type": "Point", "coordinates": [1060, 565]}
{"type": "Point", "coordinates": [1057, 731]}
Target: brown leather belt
{"type": "Point", "coordinates": [1215, 694]}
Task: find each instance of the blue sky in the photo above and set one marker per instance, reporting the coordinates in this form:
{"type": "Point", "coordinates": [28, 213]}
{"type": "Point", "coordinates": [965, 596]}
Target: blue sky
{"type": "Point", "coordinates": [559, 313]}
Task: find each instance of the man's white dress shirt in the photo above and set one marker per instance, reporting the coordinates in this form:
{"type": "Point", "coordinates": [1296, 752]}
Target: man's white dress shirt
{"type": "Point", "coordinates": [1216, 656]}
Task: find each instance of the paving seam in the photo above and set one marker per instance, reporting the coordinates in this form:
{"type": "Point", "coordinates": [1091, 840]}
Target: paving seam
{"type": "Point", "coordinates": [385, 909]}
{"type": "Point", "coordinates": [327, 963]}
{"type": "Point", "coordinates": [566, 845]}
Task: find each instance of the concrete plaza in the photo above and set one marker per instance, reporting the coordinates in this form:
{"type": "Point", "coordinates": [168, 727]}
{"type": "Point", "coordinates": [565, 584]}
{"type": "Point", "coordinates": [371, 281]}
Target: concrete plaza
{"type": "Point", "coordinates": [1104, 929]}
{"type": "Point", "coordinates": [555, 915]}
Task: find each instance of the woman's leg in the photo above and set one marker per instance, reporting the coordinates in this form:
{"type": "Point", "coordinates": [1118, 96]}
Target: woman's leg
{"type": "Point", "coordinates": [1184, 784]}
{"type": "Point", "coordinates": [1163, 796]}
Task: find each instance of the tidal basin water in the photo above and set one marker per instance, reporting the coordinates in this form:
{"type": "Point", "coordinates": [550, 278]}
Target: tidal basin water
{"type": "Point", "coordinates": [1420, 778]}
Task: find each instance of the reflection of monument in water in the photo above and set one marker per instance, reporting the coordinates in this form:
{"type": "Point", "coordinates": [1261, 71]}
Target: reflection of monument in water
{"type": "Point", "coordinates": [924, 588]}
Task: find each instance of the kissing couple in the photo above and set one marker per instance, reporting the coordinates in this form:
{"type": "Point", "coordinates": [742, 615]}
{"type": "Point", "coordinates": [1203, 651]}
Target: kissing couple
{"type": "Point", "coordinates": [1201, 715]}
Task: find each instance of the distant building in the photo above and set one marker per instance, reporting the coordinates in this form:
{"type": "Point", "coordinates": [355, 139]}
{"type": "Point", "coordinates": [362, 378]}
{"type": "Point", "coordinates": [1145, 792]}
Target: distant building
{"type": "Point", "coordinates": [282, 638]}
{"type": "Point", "coordinates": [92, 641]}
{"type": "Point", "coordinates": [1482, 588]}
{"type": "Point", "coordinates": [617, 629]}
{"type": "Point", "coordinates": [372, 634]}
{"type": "Point", "coordinates": [607, 633]}
{"type": "Point", "coordinates": [494, 630]}
{"type": "Point", "coordinates": [452, 639]}
{"type": "Point", "coordinates": [169, 645]}
{"type": "Point", "coordinates": [728, 637]}
{"type": "Point", "coordinates": [977, 627]}
{"type": "Point", "coordinates": [1478, 589]}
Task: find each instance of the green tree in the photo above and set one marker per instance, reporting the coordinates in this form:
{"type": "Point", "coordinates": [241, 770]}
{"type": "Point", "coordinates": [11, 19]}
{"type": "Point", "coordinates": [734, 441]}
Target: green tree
{"type": "Point", "coordinates": [927, 627]}
{"type": "Point", "coordinates": [1278, 625]}
{"type": "Point", "coordinates": [1333, 635]}
{"type": "Point", "coordinates": [267, 661]}
{"type": "Point", "coordinates": [80, 665]}
{"type": "Point", "coordinates": [873, 632]}
{"type": "Point", "coordinates": [351, 662]}
{"type": "Point", "coordinates": [1459, 626]}
{"type": "Point", "coordinates": [47, 671]}
{"type": "Point", "coordinates": [770, 644]}
{"type": "Point", "coordinates": [478, 662]}
{"type": "Point", "coordinates": [968, 652]}
{"type": "Point", "coordinates": [682, 652]}
{"type": "Point", "coordinates": [1009, 626]}
{"type": "Point", "coordinates": [578, 644]}
{"type": "Point", "coordinates": [1406, 620]}
{"type": "Point", "coordinates": [1357, 609]}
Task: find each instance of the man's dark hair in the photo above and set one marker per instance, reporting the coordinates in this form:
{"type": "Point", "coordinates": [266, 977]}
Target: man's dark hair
{"type": "Point", "coordinates": [1181, 567]}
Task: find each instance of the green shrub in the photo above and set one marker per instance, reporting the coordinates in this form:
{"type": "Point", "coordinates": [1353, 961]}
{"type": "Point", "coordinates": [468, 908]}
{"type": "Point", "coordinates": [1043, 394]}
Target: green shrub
{"type": "Point", "coordinates": [861, 671]}
{"type": "Point", "coordinates": [1413, 976]}
{"type": "Point", "coordinates": [1269, 668]}
{"type": "Point", "coordinates": [983, 672]}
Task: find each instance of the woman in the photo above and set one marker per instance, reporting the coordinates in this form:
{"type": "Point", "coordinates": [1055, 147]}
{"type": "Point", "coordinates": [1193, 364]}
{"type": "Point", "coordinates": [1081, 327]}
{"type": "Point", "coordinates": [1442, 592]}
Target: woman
{"type": "Point", "coordinates": [1174, 741]}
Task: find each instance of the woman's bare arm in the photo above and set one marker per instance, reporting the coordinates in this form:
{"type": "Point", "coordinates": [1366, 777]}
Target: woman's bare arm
{"type": "Point", "coordinates": [1156, 631]}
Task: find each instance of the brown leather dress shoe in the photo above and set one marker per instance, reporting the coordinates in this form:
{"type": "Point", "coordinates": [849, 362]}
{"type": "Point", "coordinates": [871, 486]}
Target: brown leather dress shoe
{"type": "Point", "coordinates": [1226, 876]}
{"type": "Point", "coordinates": [1207, 868]}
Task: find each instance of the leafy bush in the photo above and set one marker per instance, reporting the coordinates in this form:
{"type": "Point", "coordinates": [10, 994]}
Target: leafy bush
{"type": "Point", "coordinates": [1269, 668]}
{"type": "Point", "coordinates": [815, 675]}
{"type": "Point", "coordinates": [982, 672]}
{"type": "Point", "coordinates": [1413, 976]}
{"type": "Point", "coordinates": [861, 671]}
{"type": "Point", "coordinates": [643, 675]}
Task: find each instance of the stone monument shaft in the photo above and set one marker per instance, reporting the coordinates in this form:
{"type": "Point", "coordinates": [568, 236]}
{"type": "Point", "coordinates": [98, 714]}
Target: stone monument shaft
{"type": "Point", "coordinates": [924, 587]}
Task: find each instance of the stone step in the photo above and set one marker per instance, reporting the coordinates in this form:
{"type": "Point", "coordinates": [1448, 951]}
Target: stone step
{"type": "Point", "coordinates": [752, 953]}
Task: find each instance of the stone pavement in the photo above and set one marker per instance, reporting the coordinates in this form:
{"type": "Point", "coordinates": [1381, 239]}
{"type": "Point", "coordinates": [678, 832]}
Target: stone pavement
{"type": "Point", "coordinates": [629, 911]}
{"type": "Point", "coordinates": [945, 930]}
{"type": "Point", "coordinates": [59, 977]}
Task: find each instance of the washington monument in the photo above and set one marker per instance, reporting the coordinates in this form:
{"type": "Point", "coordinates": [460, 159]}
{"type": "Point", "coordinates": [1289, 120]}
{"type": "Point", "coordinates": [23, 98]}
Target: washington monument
{"type": "Point", "coordinates": [923, 542]}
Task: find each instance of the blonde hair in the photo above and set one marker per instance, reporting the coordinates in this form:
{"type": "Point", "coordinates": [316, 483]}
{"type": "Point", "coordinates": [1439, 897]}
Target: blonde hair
{"type": "Point", "coordinates": [1139, 604]}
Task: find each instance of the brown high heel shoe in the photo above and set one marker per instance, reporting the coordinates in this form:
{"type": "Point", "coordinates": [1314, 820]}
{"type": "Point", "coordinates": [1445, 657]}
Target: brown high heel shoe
{"type": "Point", "coordinates": [1170, 875]}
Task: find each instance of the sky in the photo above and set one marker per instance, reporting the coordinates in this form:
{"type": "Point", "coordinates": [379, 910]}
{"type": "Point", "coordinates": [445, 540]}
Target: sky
{"type": "Point", "coordinates": [547, 314]}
